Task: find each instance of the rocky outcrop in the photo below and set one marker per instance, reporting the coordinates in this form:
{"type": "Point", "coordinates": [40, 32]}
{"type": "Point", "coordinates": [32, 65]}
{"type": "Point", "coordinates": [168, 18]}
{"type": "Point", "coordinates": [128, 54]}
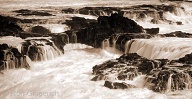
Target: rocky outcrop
{"type": "Point", "coordinates": [9, 26]}
{"type": "Point", "coordinates": [177, 34]}
{"type": "Point", "coordinates": [170, 78]}
{"type": "Point", "coordinates": [40, 30]}
{"type": "Point", "coordinates": [11, 58]}
{"type": "Point", "coordinates": [138, 12]}
{"type": "Point", "coordinates": [93, 33]}
{"type": "Point", "coordinates": [162, 75]}
{"type": "Point", "coordinates": [26, 12]}
{"type": "Point", "coordinates": [42, 48]}
{"type": "Point", "coordinates": [118, 85]}
{"type": "Point", "coordinates": [152, 31]}
{"type": "Point", "coordinates": [60, 40]}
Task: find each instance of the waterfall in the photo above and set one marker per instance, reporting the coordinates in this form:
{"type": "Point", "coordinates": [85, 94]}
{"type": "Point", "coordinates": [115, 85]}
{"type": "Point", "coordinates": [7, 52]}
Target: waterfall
{"type": "Point", "coordinates": [128, 46]}
{"type": "Point", "coordinates": [42, 49]}
{"type": "Point", "coordinates": [105, 44]}
{"type": "Point", "coordinates": [169, 83]}
{"type": "Point", "coordinates": [114, 39]}
{"type": "Point", "coordinates": [160, 48]}
{"type": "Point", "coordinates": [67, 37]}
{"type": "Point", "coordinates": [12, 62]}
{"type": "Point", "coordinates": [74, 38]}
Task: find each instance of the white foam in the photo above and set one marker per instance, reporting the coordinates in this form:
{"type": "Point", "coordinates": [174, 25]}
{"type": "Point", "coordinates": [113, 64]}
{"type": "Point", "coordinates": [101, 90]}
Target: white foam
{"type": "Point", "coordinates": [161, 48]}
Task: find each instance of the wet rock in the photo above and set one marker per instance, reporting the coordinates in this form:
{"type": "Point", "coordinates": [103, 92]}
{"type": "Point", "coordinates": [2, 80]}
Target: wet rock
{"type": "Point", "coordinates": [187, 59]}
{"type": "Point", "coordinates": [93, 33]}
{"type": "Point", "coordinates": [122, 38]}
{"type": "Point", "coordinates": [11, 58]}
{"type": "Point", "coordinates": [114, 70]}
{"type": "Point", "coordinates": [178, 34]}
{"type": "Point", "coordinates": [118, 85]}
{"type": "Point", "coordinates": [8, 26]}
{"type": "Point", "coordinates": [26, 12]}
{"type": "Point", "coordinates": [77, 23]}
{"type": "Point", "coordinates": [162, 75]}
{"type": "Point", "coordinates": [99, 77]}
{"type": "Point", "coordinates": [179, 23]}
{"type": "Point", "coordinates": [42, 48]}
{"type": "Point", "coordinates": [3, 46]}
{"type": "Point", "coordinates": [41, 30]}
{"type": "Point", "coordinates": [152, 31]}
{"type": "Point", "coordinates": [171, 78]}
{"type": "Point", "coordinates": [68, 11]}
{"type": "Point", "coordinates": [121, 24]}
{"type": "Point", "coordinates": [60, 40]}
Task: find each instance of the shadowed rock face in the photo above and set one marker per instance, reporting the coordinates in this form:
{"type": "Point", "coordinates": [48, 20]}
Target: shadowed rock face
{"type": "Point", "coordinates": [11, 58]}
{"type": "Point", "coordinates": [93, 33]}
{"type": "Point", "coordinates": [60, 40]}
{"type": "Point", "coordinates": [8, 26]}
{"type": "Point", "coordinates": [41, 30]}
{"type": "Point", "coordinates": [162, 75]}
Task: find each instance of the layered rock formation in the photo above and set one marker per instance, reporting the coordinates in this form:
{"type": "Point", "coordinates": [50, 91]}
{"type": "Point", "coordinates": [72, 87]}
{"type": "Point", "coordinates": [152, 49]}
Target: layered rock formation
{"type": "Point", "coordinates": [93, 33]}
{"type": "Point", "coordinates": [156, 13]}
{"type": "Point", "coordinates": [11, 58]}
{"type": "Point", "coordinates": [162, 75]}
{"type": "Point", "coordinates": [38, 44]}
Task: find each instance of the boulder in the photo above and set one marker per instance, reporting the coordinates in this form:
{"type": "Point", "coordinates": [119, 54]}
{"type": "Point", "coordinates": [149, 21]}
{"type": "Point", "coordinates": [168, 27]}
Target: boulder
{"type": "Point", "coordinates": [152, 31]}
{"type": "Point", "coordinates": [40, 29]}
{"type": "Point", "coordinates": [118, 85]}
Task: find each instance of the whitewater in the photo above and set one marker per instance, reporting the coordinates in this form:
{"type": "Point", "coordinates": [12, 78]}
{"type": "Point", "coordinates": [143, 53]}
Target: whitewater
{"type": "Point", "coordinates": [69, 76]}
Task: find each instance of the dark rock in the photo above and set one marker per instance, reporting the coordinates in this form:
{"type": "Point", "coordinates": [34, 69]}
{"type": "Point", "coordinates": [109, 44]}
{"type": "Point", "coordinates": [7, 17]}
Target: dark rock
{"type": "Point", "coordinates": [118, 85]}
{"type": "Point", "coordinates": [60, 40]}
{"type": "Point", "coordinates": [3, 46]}
{"type": "Point", "coordinates": [162, 75]}
{"type": "Point", "coordinates": [152, 31]}
{"type": "Point", "coordinates": [187, 59]}
{"type": "Point", "coordinates": [179, 23]}
{"type": "Point", "coordinates": [44, 48]}
{"type": "Point", "coordinates": [8, 26]}
{"type": "Point", "coordinates": [121, 24]}
{"type": "Point", "coordinates": [40, 29]}
{"type": "Point", "coordinates": [93, 33]}
{"type": "Point", "coordinates": [11, 58]}
{"type": "Point", "coordinates": [68, 11]}
{"type": "Point", "coordinates": [26, 12]}
{"type": "Point", "coordinates": [99, 77]}
{"type": "Point", "coordinates": [122, 38]}
{"type": "Point", "coordinates": [171, 78]}
{"type": "Point", "coordinates": [178, 34]}
{"type": "Point", "coordinates": [16, 53]}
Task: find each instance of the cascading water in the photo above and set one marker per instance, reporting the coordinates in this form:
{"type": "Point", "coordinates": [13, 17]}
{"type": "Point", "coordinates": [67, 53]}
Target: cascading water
{"type": "Point", "coordinates": [128, 46]}
{"type": "Point", "coordinates": [54, 75]}
{"type": "Point", "coordinates": [160, 48]}
{"type": "Point", "coordinates": [42, 49]}
{"type": "Point", "coordinates": [105, 44]}
{"type": "Point", "coordinates": [74, 38]}
{"type": "Point", "coordinates": [114, 39]}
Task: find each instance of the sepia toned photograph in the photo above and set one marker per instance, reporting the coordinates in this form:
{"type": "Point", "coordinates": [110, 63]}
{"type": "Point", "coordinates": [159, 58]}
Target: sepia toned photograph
{"type": "Point", "coordinates": [95, 49]}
